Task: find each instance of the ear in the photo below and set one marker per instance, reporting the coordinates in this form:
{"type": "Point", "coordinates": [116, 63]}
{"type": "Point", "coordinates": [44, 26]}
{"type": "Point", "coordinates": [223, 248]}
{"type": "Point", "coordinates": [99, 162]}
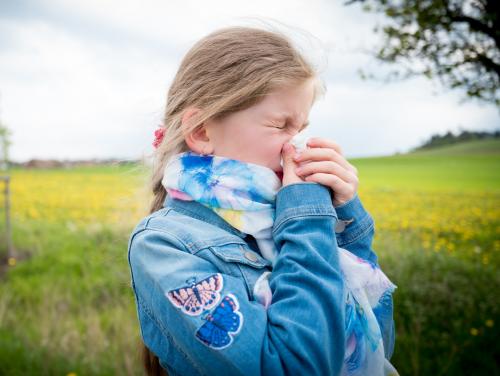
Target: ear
{"type": "Point", "coordinates": [197, 140]}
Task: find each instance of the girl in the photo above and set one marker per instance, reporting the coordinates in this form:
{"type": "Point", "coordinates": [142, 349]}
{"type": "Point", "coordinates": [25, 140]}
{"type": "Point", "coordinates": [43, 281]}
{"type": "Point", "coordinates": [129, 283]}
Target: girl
{"type": "Point", "coordinates": [241, 268]}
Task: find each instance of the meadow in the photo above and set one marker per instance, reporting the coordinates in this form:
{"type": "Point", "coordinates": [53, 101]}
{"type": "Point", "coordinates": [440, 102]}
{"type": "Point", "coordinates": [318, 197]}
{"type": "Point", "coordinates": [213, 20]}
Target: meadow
{"type": "Point", "coordinates": [66, 305]}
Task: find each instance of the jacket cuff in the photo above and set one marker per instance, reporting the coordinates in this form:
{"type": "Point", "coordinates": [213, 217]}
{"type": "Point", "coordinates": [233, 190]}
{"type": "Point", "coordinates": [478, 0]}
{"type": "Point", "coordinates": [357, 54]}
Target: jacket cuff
{"type": "Point", "coordinates": [353, 221]}
{"type": "Point", "coordinates": [303, 199]}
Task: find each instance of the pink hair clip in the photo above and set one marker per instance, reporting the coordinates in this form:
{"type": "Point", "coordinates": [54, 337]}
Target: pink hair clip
{"type": "Point", "coordinates": [159, 134]}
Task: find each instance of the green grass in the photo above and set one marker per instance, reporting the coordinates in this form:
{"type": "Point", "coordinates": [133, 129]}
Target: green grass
{"type": "Point", "coordinates": [468, 166]}
{"type": "Point", "coordinates": [477, 147]}
{"type": "Point", "coordinates": [67, 306]}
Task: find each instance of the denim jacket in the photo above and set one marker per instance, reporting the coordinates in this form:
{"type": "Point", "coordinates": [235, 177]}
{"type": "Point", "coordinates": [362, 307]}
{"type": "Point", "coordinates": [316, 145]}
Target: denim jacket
{"type": "Point", "coordinates": [302, 330]}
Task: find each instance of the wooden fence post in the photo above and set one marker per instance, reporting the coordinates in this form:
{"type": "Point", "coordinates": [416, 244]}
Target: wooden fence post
{"type": "Point", "coordinates": [8, 229]}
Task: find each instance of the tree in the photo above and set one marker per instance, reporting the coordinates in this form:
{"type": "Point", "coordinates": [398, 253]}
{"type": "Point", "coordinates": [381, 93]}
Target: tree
{"type": "Point", "coordinates": [456, 41]}
{"type": "Point", "coordinates": [449, 138]}
{"type": "Point", "coordinates": [5, 143]}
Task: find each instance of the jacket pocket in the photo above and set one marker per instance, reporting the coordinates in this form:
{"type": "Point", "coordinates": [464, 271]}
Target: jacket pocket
{"type": "Point", "coordinates": [240, 253]}
{"type": "Point", "coordinates": [238, 260]}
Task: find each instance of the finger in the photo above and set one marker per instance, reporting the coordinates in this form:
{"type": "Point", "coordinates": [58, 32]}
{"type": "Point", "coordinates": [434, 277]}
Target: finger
{"type": "Point", "coordinates": [289, 175]}
{"type": "Point", "coordinates": [338, 186]}
{"type": "Point", "coordinates": [353, 169]}
{"type": "Point", "coordinates": [324, 154]}
{"type": "Point", "coordinates": [324, 143]}
{"type": "Point", "coordinates": [327, 167]}
{"type": "Point", "coordinates": [316, 142]}
{"type": "Point", "coordinates": [288, 153]}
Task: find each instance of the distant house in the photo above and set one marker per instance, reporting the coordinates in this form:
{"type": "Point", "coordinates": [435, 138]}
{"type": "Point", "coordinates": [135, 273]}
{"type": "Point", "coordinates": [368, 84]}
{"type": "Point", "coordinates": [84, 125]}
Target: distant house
{"type": "Point", "coordinates": [39, 163]}
{"type": "Point", "coordinates": [54, 163]}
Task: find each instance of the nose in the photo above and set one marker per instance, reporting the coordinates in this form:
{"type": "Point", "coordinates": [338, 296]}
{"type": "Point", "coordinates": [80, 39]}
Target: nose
{"type": "Point", "coordinates": [299, 139]}
{"type": "Point", "coordinates": [290, 136]}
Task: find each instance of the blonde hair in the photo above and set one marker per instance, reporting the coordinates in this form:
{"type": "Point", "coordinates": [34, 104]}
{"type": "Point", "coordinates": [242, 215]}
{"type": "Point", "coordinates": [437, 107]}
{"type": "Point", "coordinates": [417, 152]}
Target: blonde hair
{"type": "Point", "coordinates": [229, 70]}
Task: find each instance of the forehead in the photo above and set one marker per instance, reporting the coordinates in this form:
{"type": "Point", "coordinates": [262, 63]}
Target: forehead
{"type": "Point", "coordinates": [288, 103]}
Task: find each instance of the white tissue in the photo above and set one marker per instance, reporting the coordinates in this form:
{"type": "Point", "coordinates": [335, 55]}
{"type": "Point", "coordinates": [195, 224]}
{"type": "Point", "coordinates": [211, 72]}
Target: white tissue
{"type": "Point", "coordinates": [299, 141]}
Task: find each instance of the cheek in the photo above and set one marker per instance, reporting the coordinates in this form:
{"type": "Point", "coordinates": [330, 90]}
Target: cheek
{"type": "Point", "coordinates": [273, 147]}
{"type": "Point", "coordinates": [267, 153]}
{"type": "Point", "coordinates": [274, 156]}
{"type": "Point", "coordinates": [266, 144]}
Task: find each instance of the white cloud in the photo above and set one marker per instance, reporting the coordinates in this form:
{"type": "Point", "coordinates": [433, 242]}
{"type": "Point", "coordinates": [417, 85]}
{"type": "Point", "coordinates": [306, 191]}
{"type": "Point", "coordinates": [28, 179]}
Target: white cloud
{"type": "Point", "coordinates": [89, 79]}
{"type": "Point", "coordinates": [369, 119]}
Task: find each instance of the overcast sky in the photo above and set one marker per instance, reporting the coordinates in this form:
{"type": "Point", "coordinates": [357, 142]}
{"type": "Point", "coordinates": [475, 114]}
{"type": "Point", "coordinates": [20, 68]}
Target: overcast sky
{"type": "Point", "coordinates": [88, 79]}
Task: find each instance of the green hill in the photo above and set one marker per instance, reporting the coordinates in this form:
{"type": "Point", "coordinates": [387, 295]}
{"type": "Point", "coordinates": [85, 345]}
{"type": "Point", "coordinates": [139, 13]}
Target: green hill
{"type": "Point", "coordinates": [476, 147]}
{"type": "Point", "coordinates": [472, 165]}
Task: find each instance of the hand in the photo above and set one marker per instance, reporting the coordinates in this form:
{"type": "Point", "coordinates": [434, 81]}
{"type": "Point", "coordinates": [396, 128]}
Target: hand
{"type": "Point", "coordinates": [289, 166]}
{"type": "Point", "coordinates": [324, 163]}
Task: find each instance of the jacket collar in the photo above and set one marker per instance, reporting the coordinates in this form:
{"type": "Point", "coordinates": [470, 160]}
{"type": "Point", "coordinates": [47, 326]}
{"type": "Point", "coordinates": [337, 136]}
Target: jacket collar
{"type": "Point", "coordinates": [199, 211]}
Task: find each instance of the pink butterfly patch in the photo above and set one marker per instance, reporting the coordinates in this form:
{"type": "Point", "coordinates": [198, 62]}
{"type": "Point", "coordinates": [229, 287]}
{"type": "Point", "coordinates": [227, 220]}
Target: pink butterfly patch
{"type": "Point", "coordinates": [197, 296]}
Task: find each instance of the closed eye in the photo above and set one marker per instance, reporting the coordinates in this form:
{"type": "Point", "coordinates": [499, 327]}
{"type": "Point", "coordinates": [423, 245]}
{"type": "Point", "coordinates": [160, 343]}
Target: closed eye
{"type": "Point", "coordinates": [280, 126]}
{"type": "Point", "coordinates": [304, 126]}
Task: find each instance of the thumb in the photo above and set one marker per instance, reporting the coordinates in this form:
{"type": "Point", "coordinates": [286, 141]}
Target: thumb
{"type": "Point", "coordinates": [289, 165]}
{"type": "Point", "coordinates": [288, 153]}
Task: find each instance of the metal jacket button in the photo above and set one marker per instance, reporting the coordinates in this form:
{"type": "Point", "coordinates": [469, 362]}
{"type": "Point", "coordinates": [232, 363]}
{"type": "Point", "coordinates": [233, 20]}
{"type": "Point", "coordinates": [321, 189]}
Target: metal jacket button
{"type": "Point", "coordinates": [250, 256]}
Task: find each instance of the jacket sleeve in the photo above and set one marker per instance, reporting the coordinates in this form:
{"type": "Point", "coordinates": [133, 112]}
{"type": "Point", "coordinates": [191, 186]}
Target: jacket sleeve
{"type": "Point", "coordinates": [301, 331]}
{"type": "Point", "coordinates": [357, 230]}
{"type": "Point", "coordinates": [357, 237]}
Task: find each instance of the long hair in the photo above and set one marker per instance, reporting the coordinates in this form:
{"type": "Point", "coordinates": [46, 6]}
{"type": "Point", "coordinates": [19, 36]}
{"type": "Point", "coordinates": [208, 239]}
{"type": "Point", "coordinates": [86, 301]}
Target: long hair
{"type": "Point", "coordinates": [229, 70]}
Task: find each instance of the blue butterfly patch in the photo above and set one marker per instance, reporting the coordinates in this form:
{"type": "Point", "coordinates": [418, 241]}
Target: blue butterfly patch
{"type": "Point", "coordinates": [222, 324]}
{"type": "Point", "coordinates": [197, 297]}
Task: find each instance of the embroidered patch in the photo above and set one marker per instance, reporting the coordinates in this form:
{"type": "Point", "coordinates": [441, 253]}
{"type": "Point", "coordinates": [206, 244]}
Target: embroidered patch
{"type": "Point", "coordinates": [222, 324]}
{"type": "Point", "coordinates": [197, 297]}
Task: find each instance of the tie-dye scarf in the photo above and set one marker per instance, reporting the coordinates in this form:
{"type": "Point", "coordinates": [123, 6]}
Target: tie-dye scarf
{"type": "Point", "coordinates": [244, 195]}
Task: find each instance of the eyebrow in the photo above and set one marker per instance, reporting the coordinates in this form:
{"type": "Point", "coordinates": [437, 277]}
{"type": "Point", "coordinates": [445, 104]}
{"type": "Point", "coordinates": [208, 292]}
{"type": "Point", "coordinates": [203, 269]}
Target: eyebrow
{"type": "Point", "coordinates": [287, 119]}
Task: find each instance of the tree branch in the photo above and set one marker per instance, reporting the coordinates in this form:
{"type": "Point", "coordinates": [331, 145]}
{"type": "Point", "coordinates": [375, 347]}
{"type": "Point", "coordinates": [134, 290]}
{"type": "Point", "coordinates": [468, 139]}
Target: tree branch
{"type": "Point", "coordinates": [477, 25]}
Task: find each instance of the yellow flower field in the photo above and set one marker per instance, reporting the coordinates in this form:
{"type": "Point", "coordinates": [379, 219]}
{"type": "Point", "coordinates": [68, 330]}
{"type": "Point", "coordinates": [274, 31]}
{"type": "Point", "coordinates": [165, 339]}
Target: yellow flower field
{"type": "Point", "coordinates": [115, 198]}
{"type": "Point", "coordinates": [66, 306]}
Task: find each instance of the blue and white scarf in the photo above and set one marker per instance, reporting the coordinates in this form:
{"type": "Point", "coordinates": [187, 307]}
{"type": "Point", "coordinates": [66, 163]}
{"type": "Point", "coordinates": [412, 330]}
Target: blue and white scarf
{"type": "Point", "coordinates": [244, 195]}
